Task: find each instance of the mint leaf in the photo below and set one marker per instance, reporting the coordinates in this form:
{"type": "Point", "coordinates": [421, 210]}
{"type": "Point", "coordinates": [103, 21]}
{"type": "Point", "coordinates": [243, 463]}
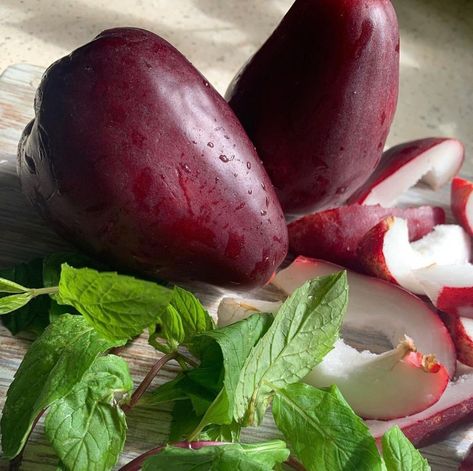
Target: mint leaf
{"type": "Point", "coordinates": [235, 342]}
{"type": "Point", "coordinates": [32, 317]}
{"type": "Point", "coordinates": [303, 332]}
{"type": "Point", "coordinates": [400, 455]}
{"type": "Point", "coordinates": [14, 301]}
{"type": "Point", "coordinates": [7, 286]}
{"type": "Point", "coordinates": [183, 317]}
{"type": "Point", "coordinates": [234, 457]}
{"type": "Point", "coordinates": [53, 365]}
{"type": "Point", "coordinates": [323, 430]}
{"type": "Point", "coordinates": [87, 427]}
{"type": "Point", "coordinates": [119, 307]}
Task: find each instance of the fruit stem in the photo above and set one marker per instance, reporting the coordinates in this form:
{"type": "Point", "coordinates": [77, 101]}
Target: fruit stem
{"type": "Point", "coordinates": [48, 290]}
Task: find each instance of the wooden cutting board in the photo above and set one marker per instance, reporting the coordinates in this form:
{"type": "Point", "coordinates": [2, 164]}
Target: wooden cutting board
{"type": "Point", "coordinates": [23, 235]}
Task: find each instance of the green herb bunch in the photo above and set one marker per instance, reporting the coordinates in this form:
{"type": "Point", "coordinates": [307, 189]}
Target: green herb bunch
{"type": "Point", "coordinates": [229, 376]}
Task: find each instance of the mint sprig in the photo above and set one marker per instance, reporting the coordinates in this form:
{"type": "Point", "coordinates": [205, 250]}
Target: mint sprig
{"type": "Point", "coordinates": [87, 427]}
{"type": "Point", "coordinates": [53, 365]}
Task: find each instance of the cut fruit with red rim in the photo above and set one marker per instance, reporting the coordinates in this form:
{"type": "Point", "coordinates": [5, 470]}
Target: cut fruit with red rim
{"type": "Point", "coordinates": [462, 203]}
{"type": "Point", "coordinates": [461, 330]}
{"type": "Point", "coordinates": [435, 161]}
{"type": "Point", "coordinates": [393, 384]}
{"type": "Point", "coordinates": [385, 251]}
{"type": "Point", "coordinates": [382, 309]}
{"type": "Point", "coordinates": [455, 406]}
{"type": "Point", "coordinates": [450, 288]}
{"type": "Point", "coordinates": [231, 310]}
{"type": "Point", "coordinates": [335, 234]}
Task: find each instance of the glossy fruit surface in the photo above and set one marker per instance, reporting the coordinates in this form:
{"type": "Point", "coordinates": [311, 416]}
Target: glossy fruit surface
{"type": "Point", "coordinates": [135, 157]}
{"type": "Point", "coordinates": [319, 97]}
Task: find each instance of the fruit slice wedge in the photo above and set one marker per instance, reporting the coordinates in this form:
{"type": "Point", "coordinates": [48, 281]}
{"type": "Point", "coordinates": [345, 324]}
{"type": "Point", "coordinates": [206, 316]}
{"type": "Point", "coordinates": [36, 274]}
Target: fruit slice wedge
{"type": "Point", "coordinates": [382, 309]}
{"type": "Point", "coordinates": [335, 234]}
{"type": "Point", "coordinates": [455, 406]}
{"type": "Point", "coordinates": [231, 310]}
{"type": "Point", "coordinates": [435, 161]}
{"type": "Point", "coordinates": [393, 384]}
{"type": "Point", "coordinates": [462, 203]}
{"type": "Point", "coordinates": [461, 330]}
{"type": "Point", "coordinates": [385, 251]}
{"type": "Point", "coordinates": [450, 288]}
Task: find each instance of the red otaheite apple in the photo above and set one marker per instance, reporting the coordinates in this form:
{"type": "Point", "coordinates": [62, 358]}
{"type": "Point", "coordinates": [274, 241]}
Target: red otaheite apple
{"type": "Point", "coordinates": [135, 157]}
{"type": "Point", "coordinates": [319, 97]}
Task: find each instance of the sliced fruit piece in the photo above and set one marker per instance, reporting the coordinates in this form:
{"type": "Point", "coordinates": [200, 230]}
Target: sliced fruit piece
{"type": "Point", "coordinates": [390, 385]}
{"type": "Point", "coordinates": [462, 203]}
{"type": "Point", "coordinates": [231, 310]}
{"type": "Point", "coordinates": [450, 288]}
{"type": "Point", "coordinates": [461, 330]}
{"type": "Point", "coordinates": [455, 406]}
{"type": "Point", "coordinates": [334, 234]}
{"type": "Point", "coordinates": [385, 251]}
{"type": "Point", "coordinates": [435, 161]}
{"type": "Point", "coordinates": [380, 308]}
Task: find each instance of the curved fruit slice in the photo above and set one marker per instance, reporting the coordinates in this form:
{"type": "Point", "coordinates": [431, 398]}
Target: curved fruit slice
{"type": "Point", "coordinates": [462, 203]}
{"type": "Point", "coordinates": [385, 251]}
{"type": "Point", "coordinates": [390, 385]}
{"type": "Point", "coordinates": [381, 308]}
{"type": "Point", "coordinates": [455, 405]}
{"type": "Point", "coordinates": [318, 98]}
{"type": "Point", "coordinates": [335, 234]}
{"type": "Point", "coordinates": [461, 330]}
{"type": "Point", "coordinates": [135, 157]}
{"type": "Point", "coordinates": [450, 288]}
{"type": "Point", "coordinates": [435, 161]}
{"type": "Point", "coordinates": [231, 310]}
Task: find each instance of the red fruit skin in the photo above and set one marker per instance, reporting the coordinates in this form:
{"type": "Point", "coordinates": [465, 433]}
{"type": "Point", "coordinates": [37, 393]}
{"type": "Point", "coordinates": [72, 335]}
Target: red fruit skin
{"type": "Point", "coordinates": [461, 191]}
{"type": "Point", "coordinates": [334, 235]}
{"type": "Point", "coordinates": [392, 160]}
{"type": "Point", "coordinates": [319, 97]}
{"type": "Point", "coordinates": [134, 157]}
{"type": "Point", "coordinates": [462, 340]}
{"type": "Point", "coordinates": [456, 301]}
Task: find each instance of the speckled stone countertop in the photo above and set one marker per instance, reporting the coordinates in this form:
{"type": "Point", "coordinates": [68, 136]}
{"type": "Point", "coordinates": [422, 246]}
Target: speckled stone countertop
{"type": "Point", "coordinates": [219, 35]}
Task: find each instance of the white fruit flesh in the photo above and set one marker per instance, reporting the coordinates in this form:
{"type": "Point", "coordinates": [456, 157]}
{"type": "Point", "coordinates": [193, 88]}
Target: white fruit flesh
{"type": "Point", "coordinates": [435, 167]}
{"type": "Point", "coordinates": [231, 310]}
{"type": "Point", "coordinates": [379, 308]}
{"type": "Point", "coordinates": [394, 384]}
{"type": "Point", "coordinates": [454, 404]}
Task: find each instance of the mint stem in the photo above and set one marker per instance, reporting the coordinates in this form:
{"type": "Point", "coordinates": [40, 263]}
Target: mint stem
{"type": "Point", "coordinates": [135, 465]}
{"type": "Point", "coordinates": [39, 291]}
{"type": "Point", "coordinates": [141, 389]}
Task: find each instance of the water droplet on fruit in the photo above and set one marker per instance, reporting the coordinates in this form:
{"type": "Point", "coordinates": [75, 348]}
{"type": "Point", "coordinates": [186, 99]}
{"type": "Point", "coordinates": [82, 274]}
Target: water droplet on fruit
{"type": "Point", "coordinates": [341, 190]}
{"type": "Point", "coordinates": [224, 158]}
{"type": "Point", "coordinates": [226, 137]}
{"type": "Point", "coordinates": [194, 142]}
{"type": "Point", "coordinates": [267, 202]}
{"type": "Point", "coordinates": [248, 165]}
{"type": "Point", "coordinates": [206, 83]}
{"type": "Point", "coordinates": [263, 212]}
{"type": "Point", "coordinates": [250, 192]}
{"type": "Point", "coordinates": [186, 168]}
{"type": "Point", "coordinates": [263, 186]}
{"type": "Point", "coordinates": [210, 144]}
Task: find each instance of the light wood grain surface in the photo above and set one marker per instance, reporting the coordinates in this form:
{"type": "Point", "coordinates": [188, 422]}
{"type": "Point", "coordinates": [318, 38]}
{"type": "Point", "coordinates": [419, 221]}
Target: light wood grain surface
{"type": "Point", "coordinates": [23, 235]}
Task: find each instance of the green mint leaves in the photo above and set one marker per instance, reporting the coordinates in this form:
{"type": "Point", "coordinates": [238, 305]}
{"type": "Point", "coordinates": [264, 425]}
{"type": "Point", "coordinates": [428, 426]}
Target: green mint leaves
{"type": "Point", "coordinates": [119, 307]}
{"type": "Point", "coordinates": [86, 427]}
{"type": "Point", "coordinates": [234, 457]}
{"type": "Point", "coordinates": [53, 365]}
{"type": "Point", "coordinates": [303, 332]}
{"type": "Point", "coordinates": [182, 318]}
{"type": "Point", "coordinates": [323, 430]}
{"type": "Point", "coordinates": [400, 455]}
